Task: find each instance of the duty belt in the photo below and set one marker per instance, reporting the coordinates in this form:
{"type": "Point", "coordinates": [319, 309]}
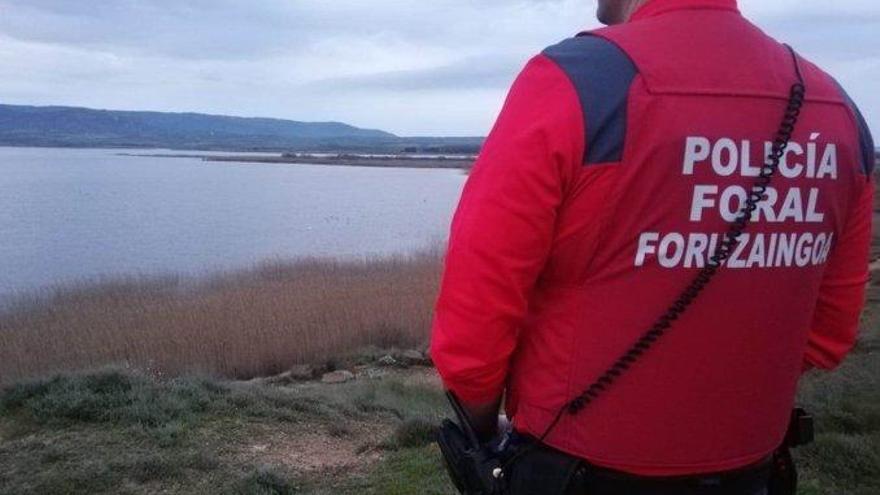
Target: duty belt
{"type": "Point", "coordinates": [594, 480]}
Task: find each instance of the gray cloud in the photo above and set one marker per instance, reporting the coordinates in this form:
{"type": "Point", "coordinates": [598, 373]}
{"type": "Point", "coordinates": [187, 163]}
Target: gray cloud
{"type": "Point", "coordinates": [190, 29]}
{"type": "Point", "coordinates": [383, 63]}
{"type": "Point", "coordinates": [476, 72]}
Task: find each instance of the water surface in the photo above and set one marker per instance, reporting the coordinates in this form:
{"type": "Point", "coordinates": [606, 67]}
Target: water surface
{"type": "Point", "coordinates": [69, 214]}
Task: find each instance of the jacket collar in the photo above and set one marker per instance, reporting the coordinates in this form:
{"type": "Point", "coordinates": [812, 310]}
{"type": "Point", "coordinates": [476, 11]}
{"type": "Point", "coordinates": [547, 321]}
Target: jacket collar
{"type": "Point", "coordinates": [653, 8]}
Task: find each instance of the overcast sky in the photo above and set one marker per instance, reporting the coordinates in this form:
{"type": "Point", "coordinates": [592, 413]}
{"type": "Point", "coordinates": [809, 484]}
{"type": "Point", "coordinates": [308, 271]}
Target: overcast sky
{"type": "Point", "coordinates": [413, 67]}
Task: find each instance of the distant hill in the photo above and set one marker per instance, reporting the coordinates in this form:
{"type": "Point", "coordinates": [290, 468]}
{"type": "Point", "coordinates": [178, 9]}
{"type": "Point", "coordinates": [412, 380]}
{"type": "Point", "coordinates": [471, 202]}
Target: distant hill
{"type": "Point", "coordinates": [83, 127]}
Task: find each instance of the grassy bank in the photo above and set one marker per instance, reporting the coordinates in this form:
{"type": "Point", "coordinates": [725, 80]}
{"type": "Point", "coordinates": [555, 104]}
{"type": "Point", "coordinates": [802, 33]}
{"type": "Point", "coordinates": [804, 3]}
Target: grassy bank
{"type": "Point", "coordinates": [122, 433]}
{"type": "Point", "coordinates": [115, 432]}
{"type": "Point", "coordinates": [235, 325]}
{"type": "Point", "coordinates": [118, 432]}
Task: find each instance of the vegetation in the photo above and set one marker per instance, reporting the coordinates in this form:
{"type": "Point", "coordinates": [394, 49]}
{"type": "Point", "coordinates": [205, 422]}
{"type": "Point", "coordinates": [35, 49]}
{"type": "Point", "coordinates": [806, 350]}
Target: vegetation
{"type": "Point", "coordinates": [237, 325]}
{"type": "Point", "coordinates": [118, 432]}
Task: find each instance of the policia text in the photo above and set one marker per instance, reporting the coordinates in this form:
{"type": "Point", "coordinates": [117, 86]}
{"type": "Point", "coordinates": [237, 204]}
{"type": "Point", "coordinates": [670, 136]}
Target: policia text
{"type": "Point", "coordinates": [726, 157]}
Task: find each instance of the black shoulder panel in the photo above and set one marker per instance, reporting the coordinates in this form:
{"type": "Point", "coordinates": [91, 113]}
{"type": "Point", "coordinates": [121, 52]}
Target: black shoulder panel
{"type": "Point", "coordinates": [602, 74]}
{"type": "Point", "coordinates": [865, 140]}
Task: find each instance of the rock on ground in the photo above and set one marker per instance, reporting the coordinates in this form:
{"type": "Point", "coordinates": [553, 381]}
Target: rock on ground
{"type": "Point", "coordinates": [340, 376]}
{"type": "Point", "coordinates": [415, 358]}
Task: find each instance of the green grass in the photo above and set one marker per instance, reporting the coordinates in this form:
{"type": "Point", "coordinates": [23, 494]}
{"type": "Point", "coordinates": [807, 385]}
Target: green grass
{"type": "Point", "coordinates": [412, 471]}
{"type": "Point", "coordinates": [846, 456]}
{"type": "Point", "coordinates": [845, 459]}
{"type": "Point", "coordinates": [118, 432]}
{"type": "Point", "coordinates": [163, 408]}
{"type": "Point", "coordinates": [266, 481]}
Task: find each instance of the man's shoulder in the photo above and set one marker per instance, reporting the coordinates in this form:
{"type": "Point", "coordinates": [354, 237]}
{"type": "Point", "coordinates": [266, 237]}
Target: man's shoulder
{"type": "Point", "coordinates": [601, 74]}
{"type": "Point", "coordinates": [589, 48]}
{"type": "Point", "coordinates": [822, 84]}
{"type": "Point", "coordinates": [591, 59]}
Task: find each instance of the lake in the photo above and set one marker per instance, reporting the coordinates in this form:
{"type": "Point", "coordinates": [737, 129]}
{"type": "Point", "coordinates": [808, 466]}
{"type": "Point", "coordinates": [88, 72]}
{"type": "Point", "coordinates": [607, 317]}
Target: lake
{"type": "Point", "coordinates": [75, 214]}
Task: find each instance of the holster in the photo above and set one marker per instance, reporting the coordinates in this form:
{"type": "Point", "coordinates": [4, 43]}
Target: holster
{"type": "Point", "coordinates": [471, 468]}
{"type": "Point", "coordinates": [478, 471]}
{"type": "Point", "coordinates": [539, 470]}
{"type": "Point", "coordinates": [783, 475]}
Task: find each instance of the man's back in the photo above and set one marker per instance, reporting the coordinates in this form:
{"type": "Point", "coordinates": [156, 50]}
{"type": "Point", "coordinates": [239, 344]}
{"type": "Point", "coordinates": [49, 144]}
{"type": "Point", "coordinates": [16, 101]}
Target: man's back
{"type": "Point", "coordinates": [624, 154]}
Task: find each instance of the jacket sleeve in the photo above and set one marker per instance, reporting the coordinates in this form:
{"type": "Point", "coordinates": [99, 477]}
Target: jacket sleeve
{"type": "Point", "coordinates": [842, 294]}
{"type": "Point", "coordinates": [503, 230]}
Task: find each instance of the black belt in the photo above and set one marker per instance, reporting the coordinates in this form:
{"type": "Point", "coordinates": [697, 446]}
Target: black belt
{"type": "Point", "coordinates": [594, 480]}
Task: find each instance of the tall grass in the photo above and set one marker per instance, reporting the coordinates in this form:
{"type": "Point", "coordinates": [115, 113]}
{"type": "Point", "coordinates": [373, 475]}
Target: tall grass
{"type": "Point", "coordinates": [239, 324]}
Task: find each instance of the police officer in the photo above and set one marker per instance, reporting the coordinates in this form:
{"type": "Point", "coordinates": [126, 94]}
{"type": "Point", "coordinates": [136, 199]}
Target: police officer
{"type": "Point", "coordinates": [617, 164]}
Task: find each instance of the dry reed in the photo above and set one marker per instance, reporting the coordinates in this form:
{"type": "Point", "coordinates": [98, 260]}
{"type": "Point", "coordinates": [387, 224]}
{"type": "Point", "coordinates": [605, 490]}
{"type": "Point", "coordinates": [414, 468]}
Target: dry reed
{"type": "Point", "coordinates": [239, 324]}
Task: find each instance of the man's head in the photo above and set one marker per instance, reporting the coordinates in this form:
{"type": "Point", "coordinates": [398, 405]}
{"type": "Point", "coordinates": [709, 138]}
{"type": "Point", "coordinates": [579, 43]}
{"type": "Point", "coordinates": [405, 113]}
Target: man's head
{"type": "Point", "coordinates": [617, 11]}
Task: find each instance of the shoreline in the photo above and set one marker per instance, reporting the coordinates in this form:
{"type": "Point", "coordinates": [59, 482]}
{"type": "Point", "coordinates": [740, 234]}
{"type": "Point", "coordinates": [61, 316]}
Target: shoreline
{"type": "Point", "coordinates": [337, 160]}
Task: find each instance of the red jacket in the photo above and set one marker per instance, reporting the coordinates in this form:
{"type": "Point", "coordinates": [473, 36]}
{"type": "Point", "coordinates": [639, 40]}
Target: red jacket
{"type": "Point", "coordinates": [616, 163]}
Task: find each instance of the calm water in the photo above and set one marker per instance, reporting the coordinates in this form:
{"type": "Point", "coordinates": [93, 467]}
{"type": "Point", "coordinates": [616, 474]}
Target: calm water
{"type": "Point", "coordinates": [79, 214]}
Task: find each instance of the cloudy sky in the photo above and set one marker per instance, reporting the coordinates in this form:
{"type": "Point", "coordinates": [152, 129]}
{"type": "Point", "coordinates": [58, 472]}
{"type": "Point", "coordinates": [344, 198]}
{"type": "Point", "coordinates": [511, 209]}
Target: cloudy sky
{"type": "Point", "coordinates": [413, 67]}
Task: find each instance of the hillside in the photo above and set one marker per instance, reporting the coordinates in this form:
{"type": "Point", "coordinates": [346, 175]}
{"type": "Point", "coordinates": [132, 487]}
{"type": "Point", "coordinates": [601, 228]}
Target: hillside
{"type": "Point", "coordinates": [60, 126]}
